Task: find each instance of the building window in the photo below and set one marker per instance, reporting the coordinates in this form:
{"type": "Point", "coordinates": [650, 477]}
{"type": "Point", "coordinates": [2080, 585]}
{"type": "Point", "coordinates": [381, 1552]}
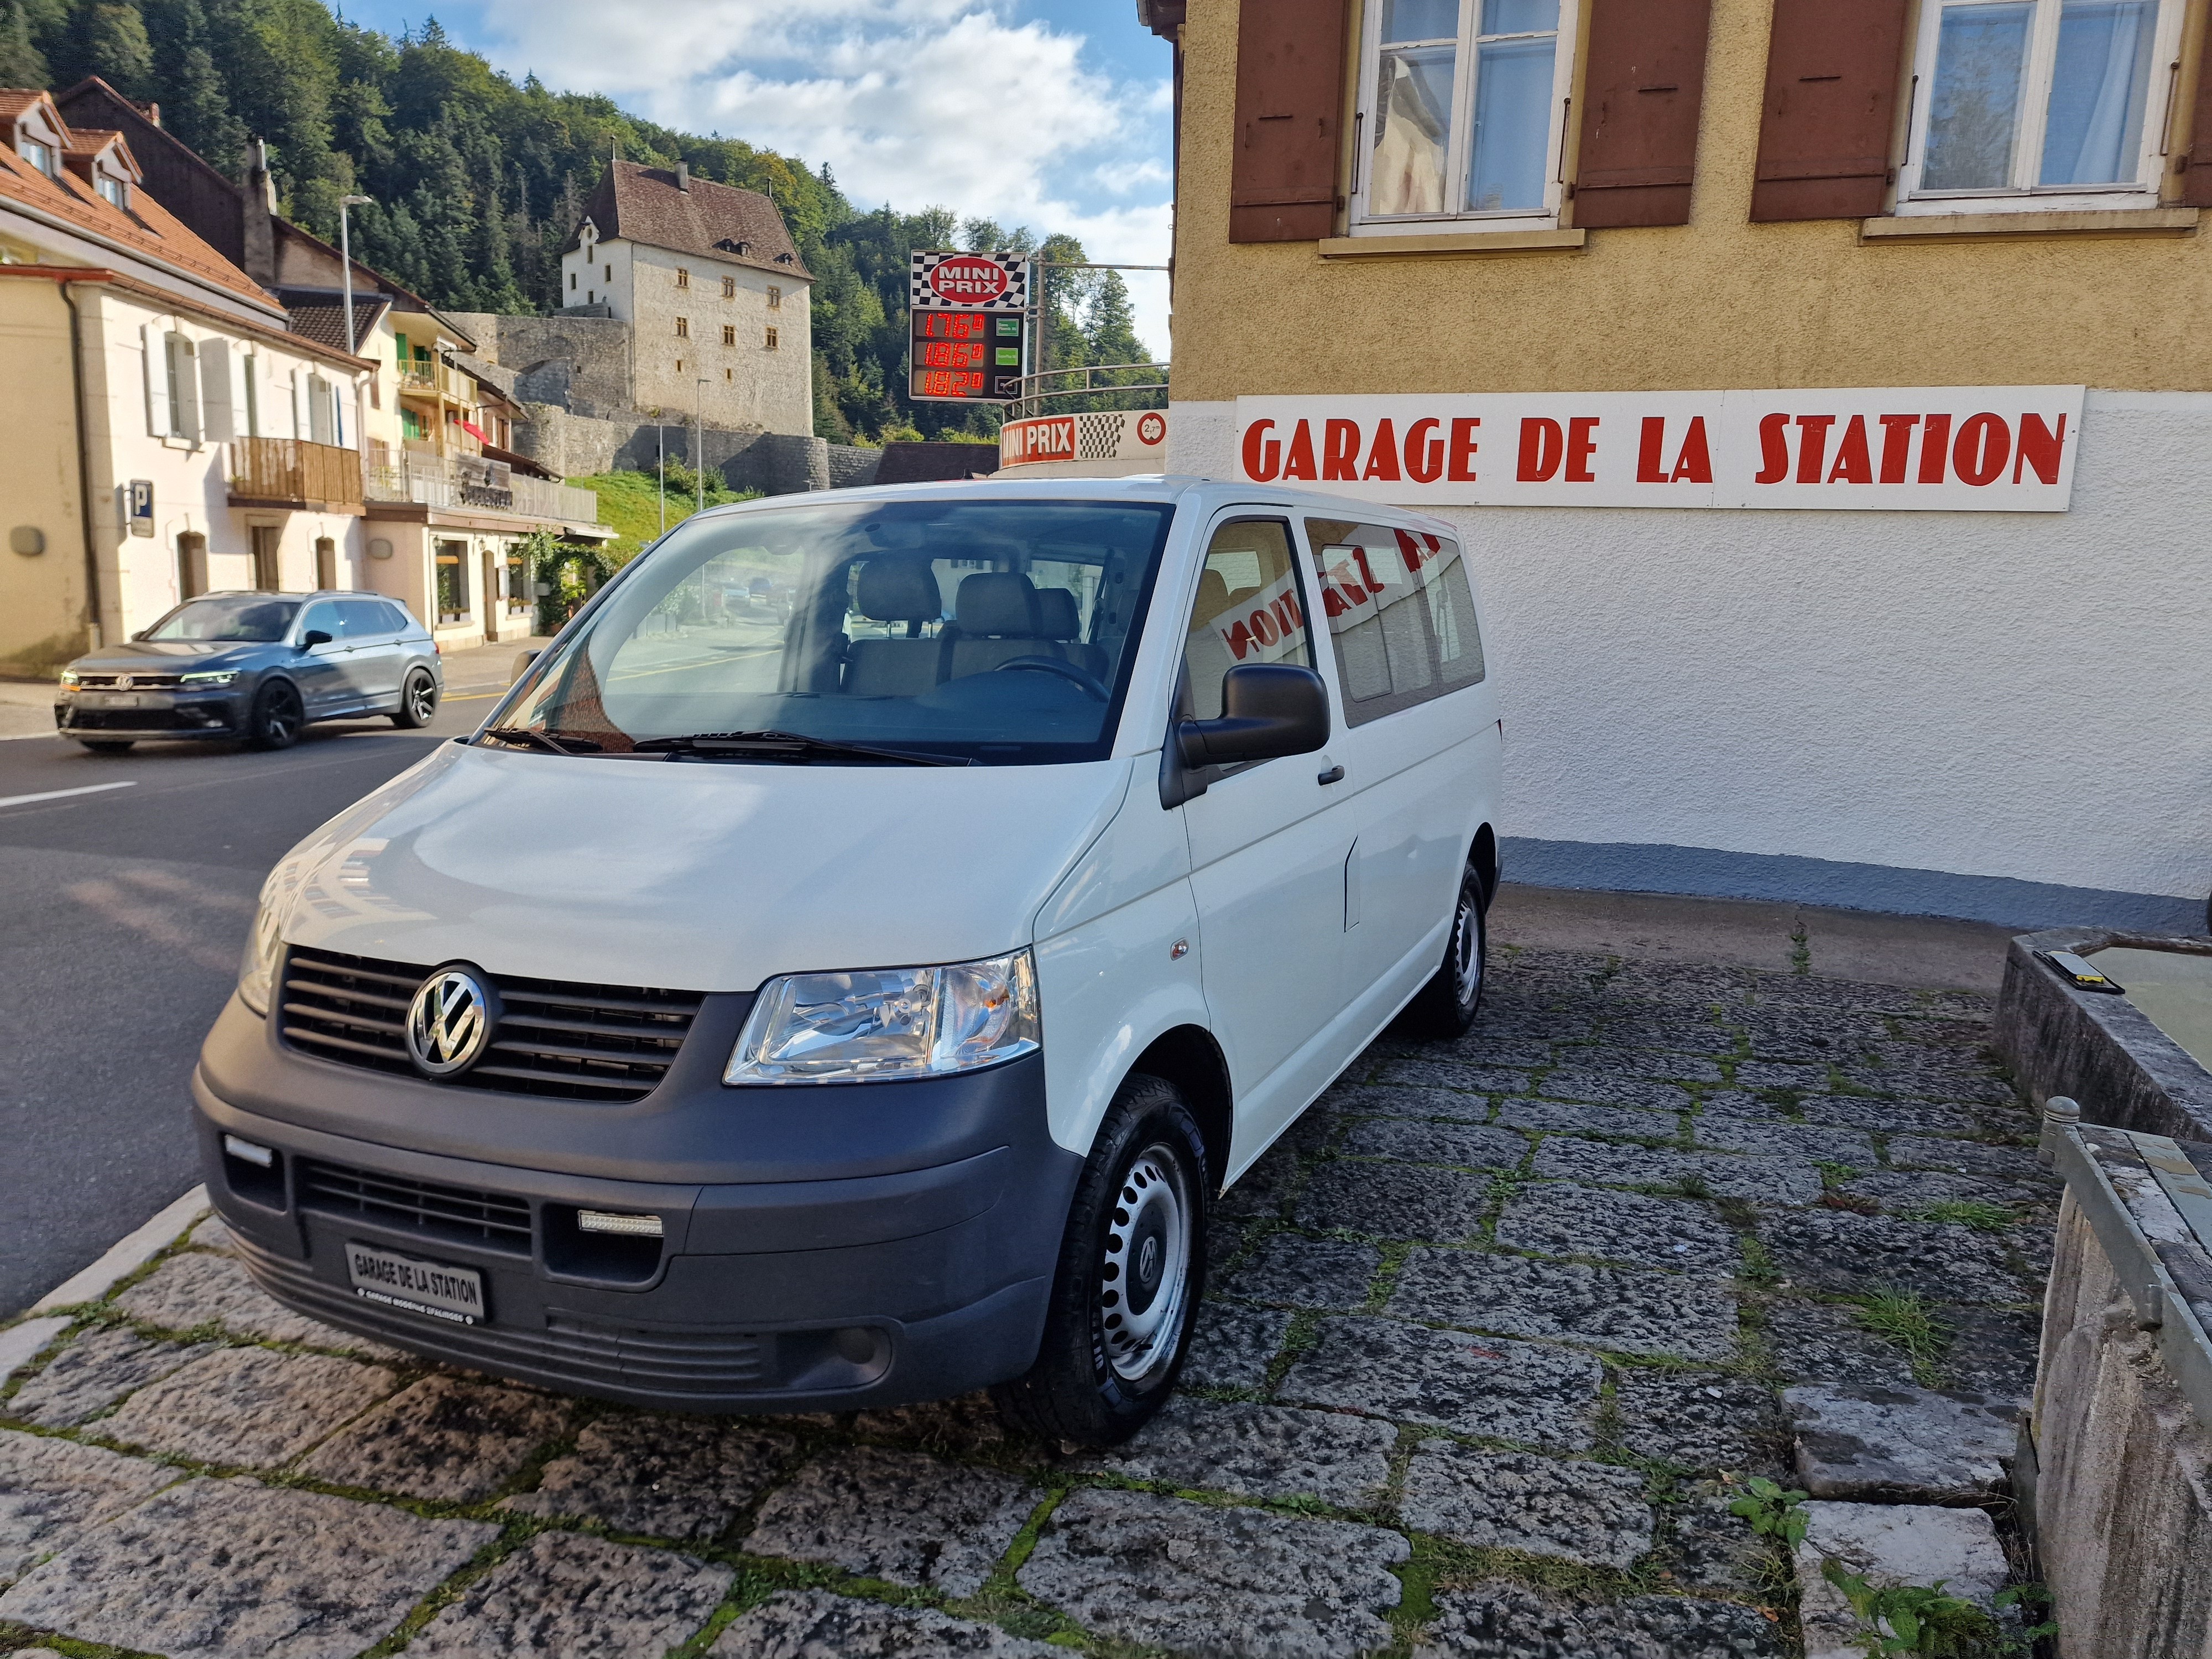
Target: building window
{"type": "Point", "coordinates": [1462, 103]}
{"type": "Point", "coordinates": [610, 273]}
{"type": "Point", "coordinates": [683, 277]}
{"type": "Point", "coordinates": [729, 287]}
{"type": "Point", "coordinates": [771, 340]}
{"type": "Point", "coordinates": [679, 365]}
{"type": "Point", "coordinates": [2033, 102]}
{"type": "Point", "coordinates": [44, 157]}
{"type": "Point", "coordinates": [729, 374]}
{"type": "Point", "coordinates": [117, 191]}
{"type": "Point", "coordinates": [572, 282]}
{"type": "Point", "coordinates": [729, 334]}
{"type": "Point", "coordinates": [775, 299]}
{"type": "Point", "coordinates": [453, 581]}
{"type": "Point", "coordinates": [683, 328]}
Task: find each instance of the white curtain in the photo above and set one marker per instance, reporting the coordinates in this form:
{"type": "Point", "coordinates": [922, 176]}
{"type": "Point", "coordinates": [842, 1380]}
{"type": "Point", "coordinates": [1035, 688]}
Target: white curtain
{"type": "Point", "coordinates": [1409, 151]}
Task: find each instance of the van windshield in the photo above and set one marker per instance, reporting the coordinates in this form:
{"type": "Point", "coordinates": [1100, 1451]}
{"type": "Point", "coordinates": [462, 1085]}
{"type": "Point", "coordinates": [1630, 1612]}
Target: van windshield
{"type": "Point", "coordinates": [978, 631]}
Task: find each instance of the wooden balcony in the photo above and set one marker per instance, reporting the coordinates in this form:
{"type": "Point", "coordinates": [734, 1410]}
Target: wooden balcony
{"type": "Point", "coordinates": [291, 472]}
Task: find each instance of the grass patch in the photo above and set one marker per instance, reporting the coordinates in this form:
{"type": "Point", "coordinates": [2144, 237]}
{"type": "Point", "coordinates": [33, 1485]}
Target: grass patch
{"type": "Point", "coordinates": [630, 501]}
{"type": "Point", "coordinates": [1903, 1318]}
{"type": "Point", "coordinates": [1977, 1213]}
{"type": "Point", "coordinates": [1759, 1267]}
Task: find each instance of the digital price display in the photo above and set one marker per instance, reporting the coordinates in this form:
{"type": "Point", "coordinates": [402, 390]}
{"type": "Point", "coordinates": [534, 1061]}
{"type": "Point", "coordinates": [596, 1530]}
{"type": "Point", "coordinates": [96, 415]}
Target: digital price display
{"type": "Point", "coordinates": [966, 346]}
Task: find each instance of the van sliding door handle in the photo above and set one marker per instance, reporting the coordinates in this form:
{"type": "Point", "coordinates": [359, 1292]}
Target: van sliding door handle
{"type": "Point", "coordinates": [1335, 774]}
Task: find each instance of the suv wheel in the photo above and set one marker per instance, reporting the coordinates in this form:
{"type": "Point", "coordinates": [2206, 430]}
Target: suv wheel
{"type": "Point", "coordinates": [1131, 1268]}
{"type": "Point", "coordinates": [276, 717]}
{"type": "Point", "coordinates": [1446, 1006]}
{"type": "Point", "coordinates": [418, 701]}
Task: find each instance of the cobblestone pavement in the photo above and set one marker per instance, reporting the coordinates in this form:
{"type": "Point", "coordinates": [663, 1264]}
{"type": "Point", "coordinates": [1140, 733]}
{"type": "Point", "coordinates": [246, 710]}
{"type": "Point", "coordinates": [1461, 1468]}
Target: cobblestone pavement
{"type": "Point", "coordinates": [1486, 1335]}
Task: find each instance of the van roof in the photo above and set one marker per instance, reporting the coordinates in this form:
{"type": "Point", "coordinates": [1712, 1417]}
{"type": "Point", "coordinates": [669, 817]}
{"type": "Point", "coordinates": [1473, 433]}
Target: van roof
{"type": "Point", "coordinates": [1203, 493]}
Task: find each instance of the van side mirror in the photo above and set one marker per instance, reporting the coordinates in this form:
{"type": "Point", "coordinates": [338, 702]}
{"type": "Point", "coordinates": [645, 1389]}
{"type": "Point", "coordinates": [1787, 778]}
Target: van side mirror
{"type": "Point", "coordinates": [312, 638]}
{"type": "Point", "coordinates": [1268, 709]}
{"type": "Point", "coordinates": [522, 661]}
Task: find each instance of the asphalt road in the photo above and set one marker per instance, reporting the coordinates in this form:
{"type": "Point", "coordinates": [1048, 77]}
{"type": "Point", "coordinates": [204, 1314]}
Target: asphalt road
{"type": "Point", "coordinates": [123, 914]}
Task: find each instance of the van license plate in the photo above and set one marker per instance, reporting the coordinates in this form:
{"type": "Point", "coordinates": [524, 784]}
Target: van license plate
{"type": "Point", "coordinates": [453, 1294]}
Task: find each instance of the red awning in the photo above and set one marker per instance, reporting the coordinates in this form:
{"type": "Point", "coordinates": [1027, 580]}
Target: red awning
{"type": "Point", "coordinates": [475, 432]}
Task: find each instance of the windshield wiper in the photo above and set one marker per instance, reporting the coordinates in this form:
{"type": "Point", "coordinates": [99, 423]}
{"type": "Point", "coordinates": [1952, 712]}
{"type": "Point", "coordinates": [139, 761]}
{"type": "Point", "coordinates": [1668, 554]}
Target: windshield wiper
{"type": "Point", "coordinates": [782, 745]}
{"type": "Point", "coordinates": [524, 735]}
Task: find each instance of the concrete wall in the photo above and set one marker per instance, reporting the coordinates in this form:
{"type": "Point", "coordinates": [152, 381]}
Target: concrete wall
{"type": "Point", "coordinates": [42, 621]}
{"type": "Point", "coordinates": [1995, 715]}
{"type": "Point", "coordinates": [1718, 302]}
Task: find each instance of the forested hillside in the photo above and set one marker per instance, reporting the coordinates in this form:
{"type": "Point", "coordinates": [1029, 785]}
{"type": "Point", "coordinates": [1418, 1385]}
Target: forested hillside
{"type": "Point", "coordinates": [477, 180]}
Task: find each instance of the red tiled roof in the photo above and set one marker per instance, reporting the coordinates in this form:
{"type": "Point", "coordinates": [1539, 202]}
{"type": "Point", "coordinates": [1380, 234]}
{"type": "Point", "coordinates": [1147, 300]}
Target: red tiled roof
{"type": "Point", "coordinates": [148, 229]}
{"type": "Point", "coordinates": [642, 205]}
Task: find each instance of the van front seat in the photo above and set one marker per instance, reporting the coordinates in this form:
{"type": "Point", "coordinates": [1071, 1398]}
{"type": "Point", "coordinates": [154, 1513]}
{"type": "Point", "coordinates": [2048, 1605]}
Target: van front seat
{"type": "Point", "coordinates": [895, 590]}
{"type": "Point", "coordinates": [994, 619]}
{"type": "Point", "coordinates": [1059, 619]}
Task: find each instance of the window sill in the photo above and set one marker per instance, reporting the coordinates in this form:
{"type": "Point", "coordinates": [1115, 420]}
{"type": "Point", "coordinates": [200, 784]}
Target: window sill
{"type": "Point", "coordinates": [1477, 242]}
{"type": "Point", "coordinates": [1963, 227]}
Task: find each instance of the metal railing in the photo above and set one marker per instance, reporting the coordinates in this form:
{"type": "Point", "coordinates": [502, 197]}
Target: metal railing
{"type": "Point", "coordinates": [1037, 390]}
{"type": "Point", "coordinates": [294, 471]}
{"type": "Point", "coordinates": [437, 377]}
{"type": "Point", "coordinates": [461, 480]}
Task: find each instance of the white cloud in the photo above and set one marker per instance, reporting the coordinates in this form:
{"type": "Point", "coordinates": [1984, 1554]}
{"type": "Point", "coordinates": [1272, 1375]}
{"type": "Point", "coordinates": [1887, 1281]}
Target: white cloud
{"type": "Point", "coordinates": [916, 102]}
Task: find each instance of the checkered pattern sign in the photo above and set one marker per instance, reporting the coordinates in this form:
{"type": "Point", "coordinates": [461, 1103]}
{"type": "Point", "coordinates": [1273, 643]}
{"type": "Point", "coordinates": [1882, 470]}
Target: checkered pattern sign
{"type": "Point", "coordinates": [941, 279]}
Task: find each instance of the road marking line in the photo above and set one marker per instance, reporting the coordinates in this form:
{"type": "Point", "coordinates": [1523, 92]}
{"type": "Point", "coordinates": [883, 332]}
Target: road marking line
{"type": "Point", "coordinates": [57, 794]}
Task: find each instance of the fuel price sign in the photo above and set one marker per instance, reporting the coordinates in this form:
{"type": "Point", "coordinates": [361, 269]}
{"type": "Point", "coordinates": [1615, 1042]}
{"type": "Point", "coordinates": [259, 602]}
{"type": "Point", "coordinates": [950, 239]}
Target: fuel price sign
{"type": "Point", "coordinates": [969, 340]}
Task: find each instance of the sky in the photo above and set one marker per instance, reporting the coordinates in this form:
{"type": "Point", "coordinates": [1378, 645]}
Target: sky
{"type": "Point", "coordinates": [1050, 113]}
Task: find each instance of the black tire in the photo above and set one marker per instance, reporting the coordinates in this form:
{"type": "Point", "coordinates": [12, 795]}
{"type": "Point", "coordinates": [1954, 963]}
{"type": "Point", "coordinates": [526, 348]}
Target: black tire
{"type": "Point", "coordinates": [276, 716]}
{"type": "Point", "coordinates": [1105, 1364]}
{"type": "Point", "coordinates": [418, 701]}
{"type": "Point", "coordinates": [108, 745]}
{"type": "Point", "coordinates": [1446, 1005]}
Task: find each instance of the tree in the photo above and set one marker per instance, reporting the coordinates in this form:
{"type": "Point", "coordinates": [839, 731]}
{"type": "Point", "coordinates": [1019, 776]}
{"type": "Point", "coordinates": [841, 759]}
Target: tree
{"type": "Point", "coordinates": [21, 64]}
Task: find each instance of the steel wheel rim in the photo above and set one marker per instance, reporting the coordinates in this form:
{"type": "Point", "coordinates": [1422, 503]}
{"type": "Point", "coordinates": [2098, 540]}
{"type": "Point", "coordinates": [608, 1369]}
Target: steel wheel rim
{"type": "Point", "coordinates": [1144, 1280]}
{"type": "Point", "coordinates": [1466, 962]}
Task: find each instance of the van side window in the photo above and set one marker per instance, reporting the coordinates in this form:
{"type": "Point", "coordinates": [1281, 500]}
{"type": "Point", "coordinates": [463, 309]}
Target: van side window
{"type": "Point", "coordinates": [1401, 613]}
{"type": "Point", "coordinates": [1249, 609]}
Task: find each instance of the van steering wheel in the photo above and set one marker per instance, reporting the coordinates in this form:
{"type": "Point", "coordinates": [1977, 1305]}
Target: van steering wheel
{"type": "Point", "coordinates": [1066, 671]}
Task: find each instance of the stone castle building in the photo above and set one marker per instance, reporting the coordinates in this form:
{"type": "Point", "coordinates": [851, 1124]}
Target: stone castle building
{"type": "Point", "coordinates": [712, 289]}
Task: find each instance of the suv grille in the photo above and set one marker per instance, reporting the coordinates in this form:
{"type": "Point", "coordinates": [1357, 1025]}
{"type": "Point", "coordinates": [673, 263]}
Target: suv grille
{"type": "Point", "coordinates": [492, 1220]}
{"type": "Point", "coordinates": [576, 1042]}
{"type": "Point", "coordinates": [138, 681]}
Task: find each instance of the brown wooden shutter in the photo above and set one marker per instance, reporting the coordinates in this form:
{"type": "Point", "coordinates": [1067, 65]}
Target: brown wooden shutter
{"type": "Point", "coordinates": [1643, 83]}
{"type": "Point", "coordinates": [1832, 68]}
{"type": "Point", "coordinates": [2196, 174]}
{"type": "Point", "coordinates": [1290, 102]}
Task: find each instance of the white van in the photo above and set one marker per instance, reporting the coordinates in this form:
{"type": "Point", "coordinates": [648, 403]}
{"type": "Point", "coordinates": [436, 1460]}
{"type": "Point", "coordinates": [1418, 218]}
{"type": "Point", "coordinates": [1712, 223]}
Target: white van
{"type": "Point", "coordinates": [861, 998]}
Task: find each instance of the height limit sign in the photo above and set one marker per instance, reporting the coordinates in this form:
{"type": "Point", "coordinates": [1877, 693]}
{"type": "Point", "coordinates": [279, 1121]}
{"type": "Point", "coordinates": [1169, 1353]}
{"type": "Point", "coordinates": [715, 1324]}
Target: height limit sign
{"type": "Point", "coordinates": [969, 313]}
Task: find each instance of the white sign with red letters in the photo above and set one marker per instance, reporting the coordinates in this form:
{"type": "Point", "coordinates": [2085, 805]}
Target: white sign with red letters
{"type": "Point", "coordinates": [1974, 449]}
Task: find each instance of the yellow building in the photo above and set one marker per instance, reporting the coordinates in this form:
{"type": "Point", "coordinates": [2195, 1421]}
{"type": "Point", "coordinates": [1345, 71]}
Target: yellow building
{"type": "Point", "coordinates": [1820, 389]}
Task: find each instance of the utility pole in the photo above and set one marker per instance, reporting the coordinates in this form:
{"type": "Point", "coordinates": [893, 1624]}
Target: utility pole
{"type": "Point", "coordinates": [699, 447]}
{"type": "Point", "coordinates": [345, 260]}
{"type": "Point", "coordinates": [660, 444]}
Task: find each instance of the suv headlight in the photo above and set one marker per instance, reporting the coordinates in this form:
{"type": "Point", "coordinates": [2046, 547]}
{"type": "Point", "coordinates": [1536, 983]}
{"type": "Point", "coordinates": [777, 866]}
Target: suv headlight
{"type": "Point", "coordinates": [213, 676]}
{"type": "Point", "coordinates": [886, 1022]}
{"type": "Point", "coordinates": [69, 677]}
{"type": "Point", "coordinates": [257, 971]}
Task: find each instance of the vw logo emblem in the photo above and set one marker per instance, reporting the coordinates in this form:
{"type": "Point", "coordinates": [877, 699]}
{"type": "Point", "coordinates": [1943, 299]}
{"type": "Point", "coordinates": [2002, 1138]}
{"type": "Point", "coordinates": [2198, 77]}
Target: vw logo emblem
{"type": "Point", "coordinates": [123, 682]}
{"type": "Point", "coordinates": [449, 1023]}
{"type": "Point", "coordinates": [1148, 1260]}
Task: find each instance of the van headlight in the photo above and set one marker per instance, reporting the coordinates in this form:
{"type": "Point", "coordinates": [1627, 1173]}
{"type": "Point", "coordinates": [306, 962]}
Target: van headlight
{"type": "Point", "coordinates": [881, 1024]}
{"type": "Point", "coordinates": [257, 971]}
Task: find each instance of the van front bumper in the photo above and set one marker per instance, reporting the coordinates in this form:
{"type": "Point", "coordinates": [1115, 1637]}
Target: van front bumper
{"type": "Point", "coordinates": [783, 1295]}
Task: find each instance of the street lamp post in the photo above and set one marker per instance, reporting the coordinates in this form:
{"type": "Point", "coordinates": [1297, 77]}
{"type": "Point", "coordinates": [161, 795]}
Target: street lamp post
{"type": "Point", "coordinates": [345, 260]}
{"type": "Point", "coordinates": [660, 448]}
{"type": "Point", "coordinates": [699, 447]}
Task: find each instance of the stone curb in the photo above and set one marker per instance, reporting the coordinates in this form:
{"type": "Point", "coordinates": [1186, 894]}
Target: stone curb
{"type": "Point", "coordinates": [126, 1255]}
{"type": "Point", "coordinates": [21, 1344]}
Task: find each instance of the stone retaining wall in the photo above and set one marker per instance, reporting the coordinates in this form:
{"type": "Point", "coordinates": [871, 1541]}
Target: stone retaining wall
{"type": "Point", "coordinates": [2122, 1498]}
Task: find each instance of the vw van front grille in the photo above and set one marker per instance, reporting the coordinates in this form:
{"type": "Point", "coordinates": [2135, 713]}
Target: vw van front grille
{"type": "Point", "coordinates": [492, 1221]}
{"type": "Point", "coordinates": [575, 1042]}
